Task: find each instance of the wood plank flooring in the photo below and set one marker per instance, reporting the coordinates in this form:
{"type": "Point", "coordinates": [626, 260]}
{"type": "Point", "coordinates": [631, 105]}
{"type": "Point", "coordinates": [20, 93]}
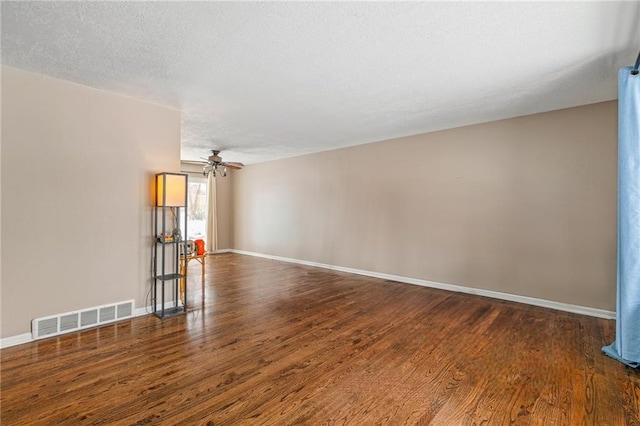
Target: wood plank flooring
{"type": "Point", "coordinates": [282, 344]}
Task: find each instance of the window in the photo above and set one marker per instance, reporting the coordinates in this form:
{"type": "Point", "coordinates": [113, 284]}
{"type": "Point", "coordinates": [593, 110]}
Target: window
{"type": "Point", "coordinates": [197, 212]}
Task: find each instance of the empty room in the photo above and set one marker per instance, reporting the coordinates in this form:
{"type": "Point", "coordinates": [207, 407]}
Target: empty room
{"type": "Point", "coordinates": [320, 213]}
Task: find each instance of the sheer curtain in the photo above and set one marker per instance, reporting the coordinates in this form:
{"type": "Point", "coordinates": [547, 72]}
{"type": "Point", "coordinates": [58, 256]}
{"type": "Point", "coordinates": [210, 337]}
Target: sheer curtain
{"type": "Point", "coordinates": [626, 347]}
{"type": "Point", "coordinates": [212, 216]}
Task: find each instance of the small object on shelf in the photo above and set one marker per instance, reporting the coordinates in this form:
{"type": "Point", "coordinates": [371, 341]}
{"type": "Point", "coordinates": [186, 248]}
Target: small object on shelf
{"type": "Point", "coordinates": [163, 238]}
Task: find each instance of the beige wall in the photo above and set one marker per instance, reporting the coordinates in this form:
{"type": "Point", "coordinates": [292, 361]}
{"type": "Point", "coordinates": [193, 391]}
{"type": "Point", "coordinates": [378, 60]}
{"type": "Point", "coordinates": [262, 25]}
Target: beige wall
{"type": "Point", "coordinates": [77, 168]}
{"type": "Point", "coordinates": [525, 206]}
{"type": "Point", "coordinates": [1, 72]}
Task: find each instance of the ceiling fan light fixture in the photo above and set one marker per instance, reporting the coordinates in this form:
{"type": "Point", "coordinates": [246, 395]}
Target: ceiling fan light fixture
{"type": "Point", "coordinates": [214, 160]}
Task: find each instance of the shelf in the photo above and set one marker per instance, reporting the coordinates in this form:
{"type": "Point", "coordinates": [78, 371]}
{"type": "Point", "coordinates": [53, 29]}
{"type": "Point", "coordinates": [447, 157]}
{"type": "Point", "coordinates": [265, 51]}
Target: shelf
{"type": "Point", "coordinates": [170, 242]}
{"type": "Point", "coordinates": [168, 277]}
{"type": "Point", "coordinates": [171, 312]}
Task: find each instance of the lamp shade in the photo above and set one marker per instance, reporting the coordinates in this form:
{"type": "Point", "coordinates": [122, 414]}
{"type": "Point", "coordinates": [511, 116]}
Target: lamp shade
{"type": "Point", "coordinates": [171, 190]}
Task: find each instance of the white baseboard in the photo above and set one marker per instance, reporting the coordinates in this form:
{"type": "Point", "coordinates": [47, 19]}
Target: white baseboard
{"type": "Point", "coordinates": [583, 310]}
{"type": "Point", "coordinates": [15, 340]}
{"type": "Point", "coordinates": [220, 251]}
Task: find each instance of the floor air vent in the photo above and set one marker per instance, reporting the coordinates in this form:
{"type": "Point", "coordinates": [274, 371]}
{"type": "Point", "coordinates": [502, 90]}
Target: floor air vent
{"type": "Point", "coordinates": [78, 320]}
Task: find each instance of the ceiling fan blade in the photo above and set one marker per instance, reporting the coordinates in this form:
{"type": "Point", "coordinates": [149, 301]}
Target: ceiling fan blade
{"type": "Point", "coordinates": [198, 163]}
{"type": "Point", "coordinates": [234, 166]}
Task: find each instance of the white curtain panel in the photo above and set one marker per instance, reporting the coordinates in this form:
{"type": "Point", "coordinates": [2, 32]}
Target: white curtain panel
{"type": "Point", "coordinates": [212, 216]}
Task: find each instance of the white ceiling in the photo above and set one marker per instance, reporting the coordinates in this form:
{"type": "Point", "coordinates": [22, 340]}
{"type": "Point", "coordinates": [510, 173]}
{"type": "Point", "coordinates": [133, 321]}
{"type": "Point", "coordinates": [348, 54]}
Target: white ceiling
{"type": "Point", "coordinates": [269, 80]}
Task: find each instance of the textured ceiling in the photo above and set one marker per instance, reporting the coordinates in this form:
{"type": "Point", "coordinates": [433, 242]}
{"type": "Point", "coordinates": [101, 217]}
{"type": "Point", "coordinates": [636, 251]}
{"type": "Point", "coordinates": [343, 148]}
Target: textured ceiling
{"type": "Point", "coordinates": [270, 80]}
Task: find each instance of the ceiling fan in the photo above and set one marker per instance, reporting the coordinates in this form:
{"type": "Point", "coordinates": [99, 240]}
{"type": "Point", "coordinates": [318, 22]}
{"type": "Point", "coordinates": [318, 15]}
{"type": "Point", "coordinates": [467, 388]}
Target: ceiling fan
{"type": "Point", "coordinates": [215, 165]}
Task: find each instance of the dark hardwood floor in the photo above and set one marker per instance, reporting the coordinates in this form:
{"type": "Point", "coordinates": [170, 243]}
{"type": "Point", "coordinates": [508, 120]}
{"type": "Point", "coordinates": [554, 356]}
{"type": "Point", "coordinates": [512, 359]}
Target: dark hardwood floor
{"type": "Point", "coordinates": [276, 343]}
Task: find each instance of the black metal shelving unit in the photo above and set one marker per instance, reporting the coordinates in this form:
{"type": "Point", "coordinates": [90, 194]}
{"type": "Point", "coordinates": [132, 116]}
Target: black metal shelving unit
{"type": "Point", "coordinates": [170, 229]}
